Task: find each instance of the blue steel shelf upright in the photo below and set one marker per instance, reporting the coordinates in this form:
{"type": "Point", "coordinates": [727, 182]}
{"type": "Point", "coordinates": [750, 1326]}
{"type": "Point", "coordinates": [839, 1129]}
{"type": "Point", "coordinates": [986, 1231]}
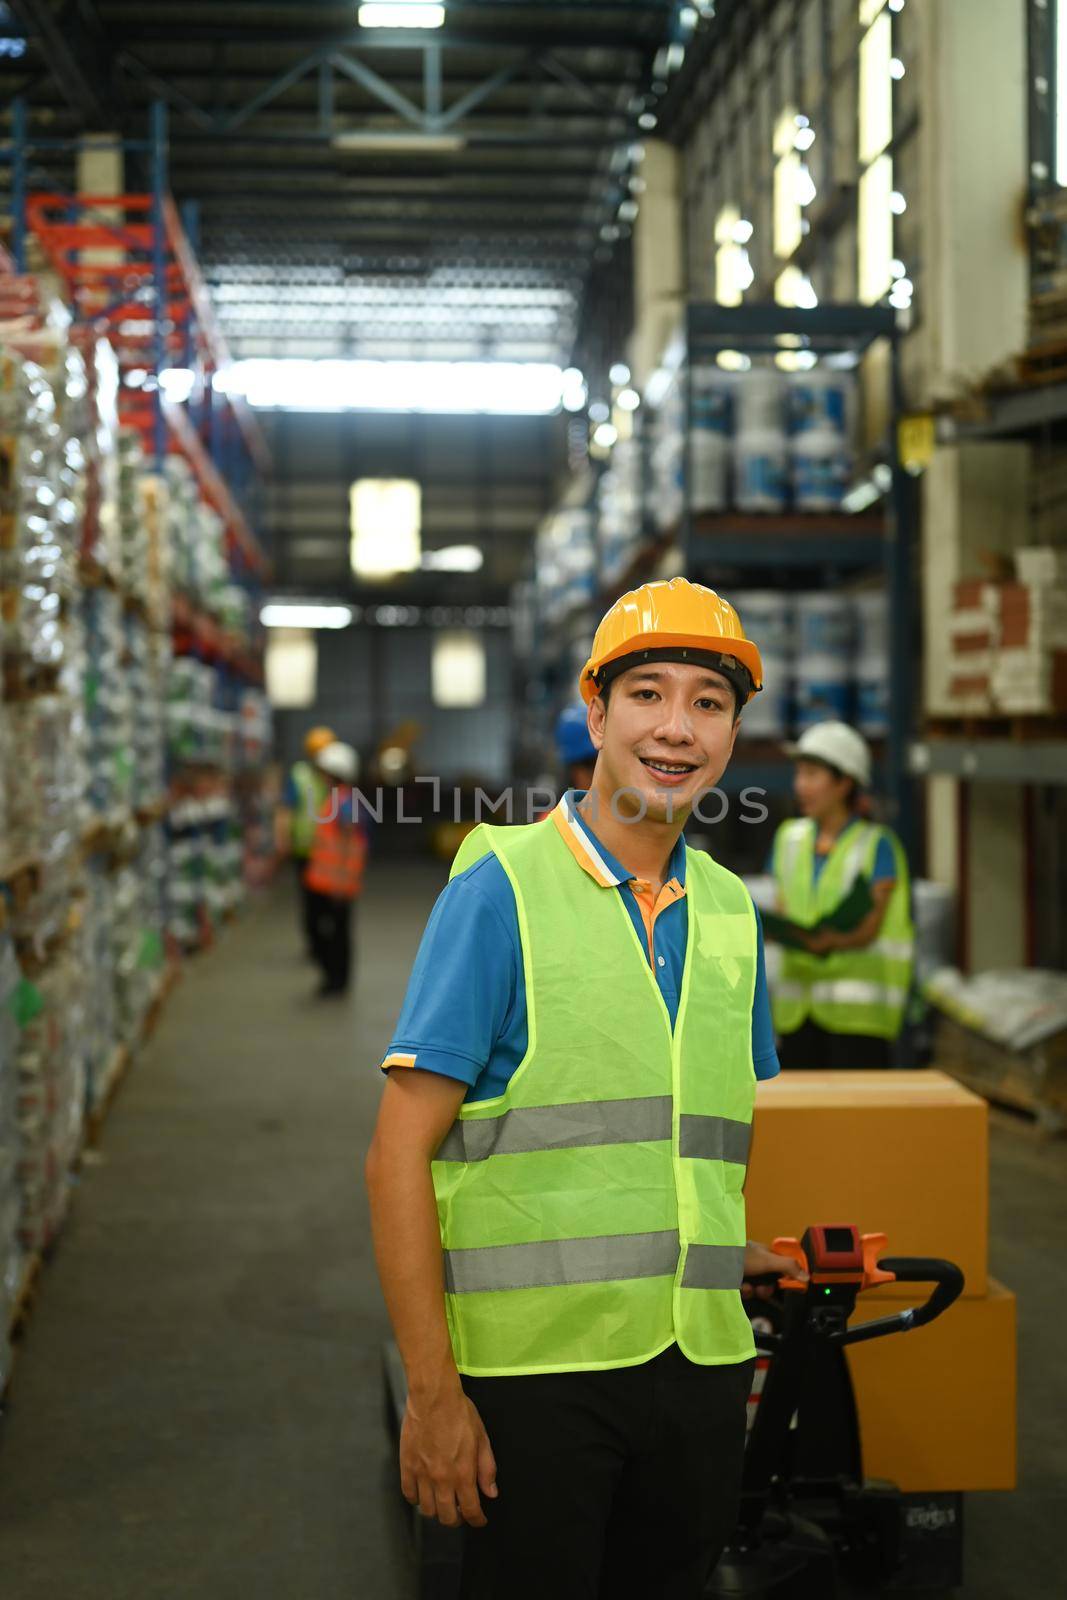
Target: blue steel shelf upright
{"type": "Point", "coordinates": [880, 540]}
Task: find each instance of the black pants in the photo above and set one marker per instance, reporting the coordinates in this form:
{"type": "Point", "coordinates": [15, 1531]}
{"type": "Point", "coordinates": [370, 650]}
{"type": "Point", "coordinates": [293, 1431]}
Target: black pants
{"type": "Point", "coordinates": [331, 938]}
{"type": "Point", "coordinates": [617, 1485]}
{"type": "Point", "coordinates": [300, 867]}
{"type": "Point", "coordinates": [811, 1046]}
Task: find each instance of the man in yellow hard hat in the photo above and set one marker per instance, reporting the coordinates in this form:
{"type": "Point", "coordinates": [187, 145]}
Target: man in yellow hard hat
{"type": "Point", "coordinates": [556, 1174]}
{"type": "Point", "coordinates": [306, 790]}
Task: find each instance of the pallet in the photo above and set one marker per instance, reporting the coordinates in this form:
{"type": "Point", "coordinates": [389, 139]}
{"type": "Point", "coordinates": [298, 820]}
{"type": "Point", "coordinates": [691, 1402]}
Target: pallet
{"type": "Point", "coordinates": [1043, 364]}
{"type": "Point", "coordinates": [1048, 1119]}
{"type": "Point", "coordinates": [1016, 727]}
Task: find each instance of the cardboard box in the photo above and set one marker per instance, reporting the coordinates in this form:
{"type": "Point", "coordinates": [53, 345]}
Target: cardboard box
{"type": "Point", "coordinates": [937, 1405]}
{"type": "Point", "coordinates": [899, 1153]}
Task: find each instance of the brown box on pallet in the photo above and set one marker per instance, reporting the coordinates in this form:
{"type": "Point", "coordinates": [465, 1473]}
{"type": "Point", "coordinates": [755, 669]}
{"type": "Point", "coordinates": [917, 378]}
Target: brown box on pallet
{"type": "Point", "coordinates": [937, 1409]}
{"type": "Point", "coordinates": [899, 1153]}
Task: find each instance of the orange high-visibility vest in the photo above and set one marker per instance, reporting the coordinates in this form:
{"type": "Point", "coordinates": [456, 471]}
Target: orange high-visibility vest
{"type": "Point", "coordinates": [335, 865]}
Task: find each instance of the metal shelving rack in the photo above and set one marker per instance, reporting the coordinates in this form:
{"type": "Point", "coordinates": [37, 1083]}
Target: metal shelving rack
{"type": "Point", "coordinates": [878, 541]}
{"type": "Point", "coordinates": [129, 268]}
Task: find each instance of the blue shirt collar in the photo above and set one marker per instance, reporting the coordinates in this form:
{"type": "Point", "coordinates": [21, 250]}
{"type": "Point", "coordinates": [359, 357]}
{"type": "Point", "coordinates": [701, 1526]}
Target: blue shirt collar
{"type": "Point", "coordinates": [675, 868]}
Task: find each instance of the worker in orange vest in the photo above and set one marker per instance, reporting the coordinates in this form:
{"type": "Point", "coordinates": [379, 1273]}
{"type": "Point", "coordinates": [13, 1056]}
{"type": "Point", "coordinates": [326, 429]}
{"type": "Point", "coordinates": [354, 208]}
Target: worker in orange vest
{"type": "Point", "coordinates": [333, 877]}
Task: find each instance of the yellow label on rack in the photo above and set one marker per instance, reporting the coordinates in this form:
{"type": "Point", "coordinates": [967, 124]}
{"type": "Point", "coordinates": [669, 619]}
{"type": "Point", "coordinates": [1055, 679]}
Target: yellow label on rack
{"type": "Point", "coordinates": [916, 440]}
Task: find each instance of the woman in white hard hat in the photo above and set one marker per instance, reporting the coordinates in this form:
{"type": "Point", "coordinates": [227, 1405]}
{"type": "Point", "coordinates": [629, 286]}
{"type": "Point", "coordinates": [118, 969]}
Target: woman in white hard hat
{"type": "Point", "coordinates": [841, 1000]}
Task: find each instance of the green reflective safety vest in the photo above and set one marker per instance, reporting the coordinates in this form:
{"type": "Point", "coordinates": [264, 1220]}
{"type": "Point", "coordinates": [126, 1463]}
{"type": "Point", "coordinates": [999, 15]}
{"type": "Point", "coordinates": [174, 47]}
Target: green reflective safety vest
{"type": "Point", "coordinates": [847, 991]}
{"type": "Point", "coordinates": [312, 792]}
{"type": "Point", "coordinates": [593, 1213]}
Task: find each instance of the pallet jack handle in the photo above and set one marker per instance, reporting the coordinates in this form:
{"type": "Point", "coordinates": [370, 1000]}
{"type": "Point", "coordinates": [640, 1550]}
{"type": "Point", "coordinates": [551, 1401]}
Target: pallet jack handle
{"type": "Point", "coordinates": [948, 1286]}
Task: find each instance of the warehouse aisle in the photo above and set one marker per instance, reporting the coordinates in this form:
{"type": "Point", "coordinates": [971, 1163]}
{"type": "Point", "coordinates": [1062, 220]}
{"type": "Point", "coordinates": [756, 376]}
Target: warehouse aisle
{"type": "Point", "coordinates": [197, 1407]}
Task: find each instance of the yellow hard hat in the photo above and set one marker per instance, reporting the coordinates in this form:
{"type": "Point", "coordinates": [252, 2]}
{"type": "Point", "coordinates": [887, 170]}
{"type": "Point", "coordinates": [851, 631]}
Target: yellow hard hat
{"type": "Point", "coordinates": [675, 617]}
{"type": "Point", "coordinates": [317, 739]}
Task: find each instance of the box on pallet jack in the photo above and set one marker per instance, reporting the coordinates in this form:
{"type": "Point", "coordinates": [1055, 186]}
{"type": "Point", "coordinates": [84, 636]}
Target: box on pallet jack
{"type": "Point", "coordinates": [905, 1154]}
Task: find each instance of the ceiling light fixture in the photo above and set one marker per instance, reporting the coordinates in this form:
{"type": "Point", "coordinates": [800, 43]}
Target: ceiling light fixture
{"type": "Point", "coordinates": [400, 14]}
{"type": "Point", "coordinates": [304, 614]}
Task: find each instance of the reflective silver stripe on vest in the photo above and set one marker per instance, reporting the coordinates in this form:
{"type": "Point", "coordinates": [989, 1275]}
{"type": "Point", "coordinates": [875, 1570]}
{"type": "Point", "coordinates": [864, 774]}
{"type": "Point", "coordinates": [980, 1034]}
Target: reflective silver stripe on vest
{"type": "Point", "coordinates": [892, 949]}
{"type": "Point", "coordinates": [593, 1122]}
{"type": "Point", "coordinates": [714, 1266]}
{"type": "Point", "coordinates": [548, 1263]}
{"type": "Point", "coordinates": [843, 992]}
{"type": "Point", "coordinates": [714, 1138]}
{"type": "Point", "coordinates": [569, 1127]}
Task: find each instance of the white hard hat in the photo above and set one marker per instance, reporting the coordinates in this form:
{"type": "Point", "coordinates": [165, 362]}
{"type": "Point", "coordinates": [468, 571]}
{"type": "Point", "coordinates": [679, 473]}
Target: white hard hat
{"type": "Point", "coordinates": [339, 761]}
{"type": "Point", "coordinates": [839, 746]}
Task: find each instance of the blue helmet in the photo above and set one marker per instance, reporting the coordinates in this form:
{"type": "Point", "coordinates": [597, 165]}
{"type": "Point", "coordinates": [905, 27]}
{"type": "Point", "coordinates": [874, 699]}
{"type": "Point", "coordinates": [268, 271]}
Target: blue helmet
{"type": "Point", "coordinates": [573, 743]}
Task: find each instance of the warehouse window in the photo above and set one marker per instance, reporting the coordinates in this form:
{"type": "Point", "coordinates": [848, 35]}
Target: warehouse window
{"type": "Point", "coordinates": [458, 669]}
{"type": "Point", "coordinates": [878, 201]}
{"type": "Point", "coordinates": [386, 525]}
{"type": "Point", "coordinates": [291, 666]}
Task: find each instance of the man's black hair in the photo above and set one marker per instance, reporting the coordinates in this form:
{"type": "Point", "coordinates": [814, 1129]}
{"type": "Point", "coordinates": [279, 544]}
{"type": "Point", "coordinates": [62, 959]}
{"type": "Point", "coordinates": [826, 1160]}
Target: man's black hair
{"type": "Point", "coordinates": [737, 676]}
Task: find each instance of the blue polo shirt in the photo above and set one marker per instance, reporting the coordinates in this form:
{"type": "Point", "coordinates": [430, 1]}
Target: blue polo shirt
{"type": "Point", "coordinates": [464, 1014]}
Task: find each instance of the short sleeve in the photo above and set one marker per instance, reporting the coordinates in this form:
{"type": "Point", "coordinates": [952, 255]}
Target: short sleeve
{"type": "Point", "coordinates": [764, 1054]}
{"type": "Point", "coordinates": [884, 865]}
{"type": "Point", "coordinates": [461, 992]}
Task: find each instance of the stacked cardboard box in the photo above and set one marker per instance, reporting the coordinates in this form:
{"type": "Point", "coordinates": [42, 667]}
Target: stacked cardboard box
{"type": "Point", "coordinates": [1009, 640]}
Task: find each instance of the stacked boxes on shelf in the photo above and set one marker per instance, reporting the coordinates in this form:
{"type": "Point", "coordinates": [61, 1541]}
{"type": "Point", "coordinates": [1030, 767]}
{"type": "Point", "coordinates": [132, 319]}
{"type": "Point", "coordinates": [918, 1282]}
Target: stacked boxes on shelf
{"type": "Point", "coordinates": [1009, 640]}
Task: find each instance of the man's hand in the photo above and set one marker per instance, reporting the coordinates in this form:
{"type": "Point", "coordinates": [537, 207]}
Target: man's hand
{"type": "Point", "coordinates": [760, 1262]}
{"type": "Point", "coordinates": [445, 1458]}
{"type": "Point", "coordinates": [821, 943]}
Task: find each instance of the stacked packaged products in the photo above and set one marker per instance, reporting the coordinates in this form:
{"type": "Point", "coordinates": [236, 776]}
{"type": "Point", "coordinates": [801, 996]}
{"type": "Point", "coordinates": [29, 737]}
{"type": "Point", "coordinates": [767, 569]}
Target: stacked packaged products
{"type": "Point", "coordinates": [758, 441]}
{"type": "Point", "coordinates": [619, 519]}
{"type": "Point", "coordinates": [92, 720]}
{"type": "Point", "coordinates": [566, 563]}
{"type": "Point", "coordinates": [824, 656]}
{"type": "Point", "coordinates": [1008, 651]}
{"type": "Point", "coordinates": [51, 1097]}
{"type": "Point", "coordinates": [10, 1201]}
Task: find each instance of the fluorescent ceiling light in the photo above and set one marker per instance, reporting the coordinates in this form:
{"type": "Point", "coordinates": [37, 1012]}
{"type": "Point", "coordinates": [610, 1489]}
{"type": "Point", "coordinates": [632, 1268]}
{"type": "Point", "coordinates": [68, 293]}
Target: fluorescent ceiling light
{"type": "Point", "coordinates": [453, 558]}
{"type": "Point", "coordinates": [499, 388]}
{"type": "Point", "coordinates": [304, 614]}
{"type": "Point", "coordinates": [401, 14]}
{"type": "Point", "coordinates": [423, 144]}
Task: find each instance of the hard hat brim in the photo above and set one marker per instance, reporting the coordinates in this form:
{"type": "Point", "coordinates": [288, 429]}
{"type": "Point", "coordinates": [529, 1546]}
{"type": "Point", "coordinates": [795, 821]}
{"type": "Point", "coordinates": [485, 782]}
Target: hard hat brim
{"type": "Point", "coordinates": [742, 650]}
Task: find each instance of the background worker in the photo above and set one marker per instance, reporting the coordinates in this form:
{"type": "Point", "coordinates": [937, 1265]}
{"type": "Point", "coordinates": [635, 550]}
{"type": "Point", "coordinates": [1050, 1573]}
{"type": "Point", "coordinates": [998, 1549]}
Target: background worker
{"type": "Point", "coordinates": [840, 1002]}
{"type": "Point", "coordinates": [303, 797]}
{"type": "Point", "coordinates": [575, 748]}
{"type": "Point", "coordinates": [557, 1208]}
{"type": "Point", "coordinates": [333, 875]}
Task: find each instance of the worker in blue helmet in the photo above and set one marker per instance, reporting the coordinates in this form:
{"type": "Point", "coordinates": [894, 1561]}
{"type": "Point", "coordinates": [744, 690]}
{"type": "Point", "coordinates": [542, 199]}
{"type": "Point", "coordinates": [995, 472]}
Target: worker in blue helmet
{"type": "Point", "coordinates": [574, 747]}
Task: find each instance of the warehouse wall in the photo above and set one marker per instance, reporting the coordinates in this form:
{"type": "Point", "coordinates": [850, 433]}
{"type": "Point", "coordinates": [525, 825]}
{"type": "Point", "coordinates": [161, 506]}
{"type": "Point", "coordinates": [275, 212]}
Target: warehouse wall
{"type": "Point", "coordinates": [373, 679]}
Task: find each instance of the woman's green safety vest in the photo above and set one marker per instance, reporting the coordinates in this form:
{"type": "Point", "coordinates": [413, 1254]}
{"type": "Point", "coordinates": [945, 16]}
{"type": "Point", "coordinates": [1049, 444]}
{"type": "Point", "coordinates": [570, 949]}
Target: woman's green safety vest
{"type": "Point", "coordinates": [593, 1213]}
{"type": "Point", "coordinates": [312, 792]}
{"type": "Point", "coordinates": [847, 991]}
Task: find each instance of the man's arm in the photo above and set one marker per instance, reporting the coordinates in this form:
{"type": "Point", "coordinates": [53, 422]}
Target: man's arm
{"type": "Point", "coordinates": [445, 1457]}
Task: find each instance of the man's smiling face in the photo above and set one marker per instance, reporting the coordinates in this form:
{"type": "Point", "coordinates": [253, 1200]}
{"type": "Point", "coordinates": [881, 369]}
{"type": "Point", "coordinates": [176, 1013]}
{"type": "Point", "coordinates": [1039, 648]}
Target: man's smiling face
{"type": "Point", "coordinates": [667, 733]}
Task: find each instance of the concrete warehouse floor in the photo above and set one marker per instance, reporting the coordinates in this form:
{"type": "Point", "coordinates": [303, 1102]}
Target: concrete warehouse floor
{"type": "Point", "coordinates": [197, 1405]}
